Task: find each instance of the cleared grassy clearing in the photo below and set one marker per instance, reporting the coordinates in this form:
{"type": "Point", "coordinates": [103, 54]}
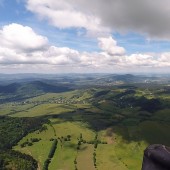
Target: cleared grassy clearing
{"type": "Point", "coordinates": [47, 104]}
{"type": "Point", "coordinates": [11, 108]}
{"type": "Point", "coordinates": [64, 157]}
{"type": "Point", "coordinates": [49, 96]}
{"type": "Point", "coordinates": [44, 109]}
{"type": "Point", "coordinates": [119, 154]}
{"type": "Point", "coordinates": [85, 157]}
{"type": "Point", "coordinates": [39, 150]}
{"type": "Point", "coordinates": [66, 151]}
{"type": "Point", "coordinates": [74, 129]}
{"type": "Point", "coordinates": [107, 158]}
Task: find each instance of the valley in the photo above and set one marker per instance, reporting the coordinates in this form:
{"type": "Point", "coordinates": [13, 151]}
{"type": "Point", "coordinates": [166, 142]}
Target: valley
{"type": "Point", "coordinates": [93, 123]}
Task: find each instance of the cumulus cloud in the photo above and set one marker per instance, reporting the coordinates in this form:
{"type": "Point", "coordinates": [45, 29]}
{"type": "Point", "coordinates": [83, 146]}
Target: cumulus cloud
{"type": "Point", "coordinates": [22, 38]}
{"type": "Point", "coordinates": [142, 60]}
{"type": "Point", "coordinates": [21, 45]}
{"type": "Point", "coordinates": [110, 46]}
{"type": "Point", "coordinates": [164, 60]}
{"type": "Point", "coordinates": [151, 18]}
{"type": "Point", "coordinates": [25, 47]}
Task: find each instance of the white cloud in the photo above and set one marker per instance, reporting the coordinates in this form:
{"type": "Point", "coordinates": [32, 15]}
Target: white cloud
{"type": "Point", "coordinates": [61, 56]}
{"type": "Point", "coordinates": [164, 60]}
{"type": "Point", "coordinates": [140, 60]}
{"type": "Point", "coordinates": [110, 46]}
{"type": "Point", "coordinates": [26, 47]}
{"type": "Point", "coordinates": [21, 37]}
{"type": "Point", "coordinates": [151, 18]}
{"type": "Point", "coordinates": [65, 14]}
{"type": "Point", "coordinates": [21, 45]}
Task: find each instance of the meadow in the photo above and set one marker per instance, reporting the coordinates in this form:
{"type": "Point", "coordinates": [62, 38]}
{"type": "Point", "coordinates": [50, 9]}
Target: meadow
{"type": "Point", "coordinates": [95, 128]}
{"type": "Point", "coordinates": [117, 153]}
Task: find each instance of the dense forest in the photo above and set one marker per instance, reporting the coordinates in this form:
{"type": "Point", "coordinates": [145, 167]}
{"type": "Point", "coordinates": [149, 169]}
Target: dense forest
{"type": "Point", "coordinates": [13, 130]}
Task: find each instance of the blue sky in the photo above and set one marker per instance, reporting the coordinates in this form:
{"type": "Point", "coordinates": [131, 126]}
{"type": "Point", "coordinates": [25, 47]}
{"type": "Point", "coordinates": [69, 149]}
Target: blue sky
{"type": "Point", "coordinates": [84, 38]}
{"type": "Point", "coordinates": [15, 12]}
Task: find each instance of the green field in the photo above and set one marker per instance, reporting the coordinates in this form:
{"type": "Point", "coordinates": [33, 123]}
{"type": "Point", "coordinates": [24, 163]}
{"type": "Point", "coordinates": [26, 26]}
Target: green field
{"type": "Point", "coordinates": [117, 153]}
{"type": "Point", "coordinates": [107, 129]}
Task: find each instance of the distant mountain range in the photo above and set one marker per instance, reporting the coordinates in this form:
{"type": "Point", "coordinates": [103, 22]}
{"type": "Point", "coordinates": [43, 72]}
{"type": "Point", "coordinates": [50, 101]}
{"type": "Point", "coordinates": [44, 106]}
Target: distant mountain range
{"type": "Point", "coordinates": [73, 78]}
{"type": "Point", "coordinates": [21, 86]}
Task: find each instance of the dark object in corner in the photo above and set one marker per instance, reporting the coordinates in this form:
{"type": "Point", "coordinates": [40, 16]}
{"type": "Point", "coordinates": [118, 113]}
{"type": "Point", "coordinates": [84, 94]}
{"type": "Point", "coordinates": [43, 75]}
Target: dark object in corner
{"type": "Point", "coordinates": [156, 157]}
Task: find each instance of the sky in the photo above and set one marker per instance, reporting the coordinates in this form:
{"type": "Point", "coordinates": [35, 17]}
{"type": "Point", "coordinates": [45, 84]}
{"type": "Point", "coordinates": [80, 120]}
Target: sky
{"type": "Point", "coordinates": [84, 36]}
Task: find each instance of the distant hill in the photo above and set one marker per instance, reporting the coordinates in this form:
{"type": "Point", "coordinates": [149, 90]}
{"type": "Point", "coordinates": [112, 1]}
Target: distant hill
{"type": "Point", "coordinates": [43, 87]}
{"type": "Point", "coordinates": [81, 79]}
{"type": "Point", "coordinates": [127, 78]}
{"type": "Point", "coordinates": [32, 87]}
{"type": "Point", "coordinates": [11, 88]}
{"type": "Point", "coordinates": [19, 91]}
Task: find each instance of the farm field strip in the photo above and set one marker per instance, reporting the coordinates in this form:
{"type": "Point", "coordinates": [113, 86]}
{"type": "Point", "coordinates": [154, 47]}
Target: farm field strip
{"type": "Point", "coordinates": [107, 155]}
